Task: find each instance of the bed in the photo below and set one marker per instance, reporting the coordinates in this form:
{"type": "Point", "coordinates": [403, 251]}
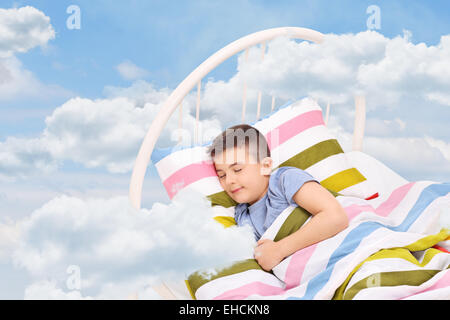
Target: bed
{"type": "Point", "coordinates": [394, 234]}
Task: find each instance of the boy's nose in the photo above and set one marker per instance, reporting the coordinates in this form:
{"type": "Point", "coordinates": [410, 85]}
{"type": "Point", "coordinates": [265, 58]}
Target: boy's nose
{"type": "Point", "coordinates": [230, 179]}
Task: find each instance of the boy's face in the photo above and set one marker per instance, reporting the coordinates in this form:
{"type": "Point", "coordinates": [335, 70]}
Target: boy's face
{"type": "Point", "coordinates": [243, 179]}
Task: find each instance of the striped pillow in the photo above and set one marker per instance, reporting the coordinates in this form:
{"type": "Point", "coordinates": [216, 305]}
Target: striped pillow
{"type": "Point", "coordinates": [296, 135]}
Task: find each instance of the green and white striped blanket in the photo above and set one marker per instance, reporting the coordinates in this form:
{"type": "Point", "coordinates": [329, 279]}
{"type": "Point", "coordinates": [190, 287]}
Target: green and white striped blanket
{"type": "Point", "coordinates": [393, 248]}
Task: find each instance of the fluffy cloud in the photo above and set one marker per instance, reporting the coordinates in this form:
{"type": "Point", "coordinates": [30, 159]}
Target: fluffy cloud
{"type": "Point", "coordinates": [382, 68]}
{"type": "Point", "coordinates": [414, 158]}
{"type": "Point", "coordinates": [119, 250]}
{"type": "Point", "coordinates": [98, 133]}
{"type": "Point", "coordinates": [17, 83]}
{"type": "Point", "coordinates": [49, 290]}
{"type": "Point", "coordinates": [129, 71]}
{"type": "Point", "coordinates": [22, 29]}
{"type": "Point", "coordinates": [20, 158]}
{"type": "Point", "coordinates": [9, 236]}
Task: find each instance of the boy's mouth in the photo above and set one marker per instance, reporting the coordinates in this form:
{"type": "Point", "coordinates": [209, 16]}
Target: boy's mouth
{"type": "Point", "coordinates": [236, 190]}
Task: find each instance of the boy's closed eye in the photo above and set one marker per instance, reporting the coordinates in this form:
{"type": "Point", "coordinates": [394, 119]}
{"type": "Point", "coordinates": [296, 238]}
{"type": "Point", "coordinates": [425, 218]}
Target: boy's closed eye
{"type": "Point", "coordinates": [223, 175]}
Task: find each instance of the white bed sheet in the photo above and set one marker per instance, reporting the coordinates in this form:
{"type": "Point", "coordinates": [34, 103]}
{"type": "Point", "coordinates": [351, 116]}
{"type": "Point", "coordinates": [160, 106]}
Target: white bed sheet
{"type": "Point", "coordinates": [381, 176]}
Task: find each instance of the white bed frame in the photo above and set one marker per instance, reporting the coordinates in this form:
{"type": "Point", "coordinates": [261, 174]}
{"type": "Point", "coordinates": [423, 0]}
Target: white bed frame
{"type": "Point", "coordinates": [375, 171]}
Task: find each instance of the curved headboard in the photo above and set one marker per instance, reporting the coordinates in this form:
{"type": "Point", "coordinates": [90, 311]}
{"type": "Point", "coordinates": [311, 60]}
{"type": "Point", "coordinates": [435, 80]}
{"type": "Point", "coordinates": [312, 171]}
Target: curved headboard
{"type": "Point", "coordinates": [193, 79]}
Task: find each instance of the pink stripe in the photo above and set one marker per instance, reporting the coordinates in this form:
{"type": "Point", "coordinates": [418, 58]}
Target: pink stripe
{"type": "Point", "coordinates": [300, 258]}
{"type": "Point", "coordinates": [355, 209]}
{"type": "Point", "coordinates": [385, 208]}
{"type": "Point", "coordinates": [293, 127]}
{"type": "Point", "coordinates": [187, 175]}
{"type": "Point", "coordinates": [243, 292]}
{"type": "Point", "coordinates": [394, 199]}
{"type": "Point", "coordinates": [297, 265]}
{"type": "Point", "coordinates": [443, 282]}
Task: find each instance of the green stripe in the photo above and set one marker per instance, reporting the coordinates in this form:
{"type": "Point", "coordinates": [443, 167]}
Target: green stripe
{"type": "Point", "coordinates": [197, 279]}
{"type": "Point", "coordinates": [296, 219]}
{"type": "Point", "coordinates": [343, 179]}
{"type": "Point", "coordinates": [190, 290]}
{"type": "Point", "coordinates": [222, 199]}
{"type": "Point", "coordinates": [391, 279]}
{"type": "Point", "coordinates": [335, 194]}
{"type": "Point", "coordinates": [314, 154]}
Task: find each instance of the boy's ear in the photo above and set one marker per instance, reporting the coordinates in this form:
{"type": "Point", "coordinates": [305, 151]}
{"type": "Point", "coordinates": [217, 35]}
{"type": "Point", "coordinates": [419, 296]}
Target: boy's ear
{"type": "Point", "coordinates": [266, 166]}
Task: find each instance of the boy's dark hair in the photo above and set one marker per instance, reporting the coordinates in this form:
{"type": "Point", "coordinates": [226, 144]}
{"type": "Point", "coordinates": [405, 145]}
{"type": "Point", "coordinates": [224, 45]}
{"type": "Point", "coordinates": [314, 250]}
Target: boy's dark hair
{"type": "Point", "coordinates": [237, 136]}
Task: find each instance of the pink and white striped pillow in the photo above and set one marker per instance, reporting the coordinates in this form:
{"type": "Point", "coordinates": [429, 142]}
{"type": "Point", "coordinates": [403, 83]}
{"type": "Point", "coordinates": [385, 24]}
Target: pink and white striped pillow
{"type": "Point", "coordinates": [296, 135]}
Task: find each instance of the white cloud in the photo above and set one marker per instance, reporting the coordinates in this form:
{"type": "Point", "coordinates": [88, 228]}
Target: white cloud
{"type": "Point", "coordinates": [92, 132]}
{"type": "Point", "coordinates": [9, 236]}
{"type": "Point", "coordinates": [23, 157]}
{"type": "Point", "coordinates": [413, 158]}
{"type": "Point", "coordinates": [384, 127]}
{"type": "Point", "coordinates": [138, 288]}
{"type": "Point", "coordinates": [48, 290]}
{"type": "Point", "coordinates": [18, 83]}
{"type": "Point", "coordinates": [22, 29]}
{"type": "Point", "coordinates": [21, 197]}
{"type": "Point", "coordinates": [444, 147]}
{"type": "Point", "coordinates": [439, 97]}
{"type": "Point", "coordinates": [97, 133]}
{"type": "Point", "coordinates": [116, 247]}
{"type": "Point", "coordinates": [129, 71]}
{"type": "Point", "coordinates": [140, 92]}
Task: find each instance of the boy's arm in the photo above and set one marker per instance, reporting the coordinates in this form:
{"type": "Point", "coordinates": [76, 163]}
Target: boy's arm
{"type": "Point", "coordinates": [329, 218]}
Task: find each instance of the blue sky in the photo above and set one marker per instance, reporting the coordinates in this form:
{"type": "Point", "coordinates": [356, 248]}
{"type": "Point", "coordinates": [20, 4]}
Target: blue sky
{"type": "Point", "coordinates": [164, 41]}
{"type": "Point", "coordinates": [152, 34]}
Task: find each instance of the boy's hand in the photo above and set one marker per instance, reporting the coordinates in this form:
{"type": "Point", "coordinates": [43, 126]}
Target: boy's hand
{"type": "Point", "coordinates": [267, 254]}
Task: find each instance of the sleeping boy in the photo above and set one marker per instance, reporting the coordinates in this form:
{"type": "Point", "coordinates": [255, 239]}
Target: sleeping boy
{"type": "Point", "coordinates": [243, 164]}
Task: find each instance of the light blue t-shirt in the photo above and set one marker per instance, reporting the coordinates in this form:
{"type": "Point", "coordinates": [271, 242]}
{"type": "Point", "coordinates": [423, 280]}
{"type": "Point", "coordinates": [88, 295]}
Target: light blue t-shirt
{"type": "Point", "coordinates": [284, 182]}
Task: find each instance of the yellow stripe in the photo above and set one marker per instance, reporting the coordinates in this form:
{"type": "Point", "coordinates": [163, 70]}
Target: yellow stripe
{"type": "Point", "coordinates": [343, 179]}
{"type": "Point", "coordinates": [429, 241]}
{"type": "Point", "coordinates": [225, 221]}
